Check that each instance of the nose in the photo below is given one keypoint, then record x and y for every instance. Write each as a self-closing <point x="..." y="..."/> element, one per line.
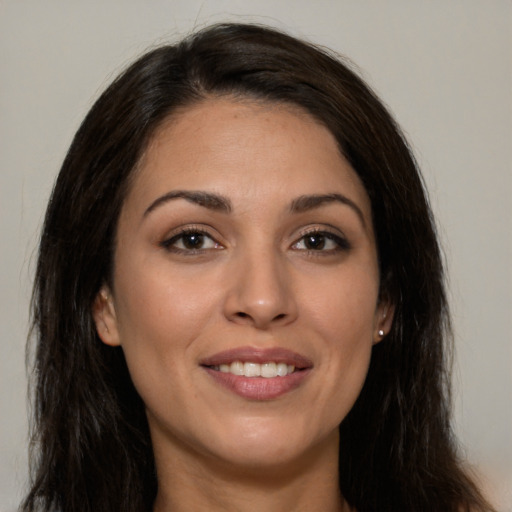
<point x="260" y="291"/>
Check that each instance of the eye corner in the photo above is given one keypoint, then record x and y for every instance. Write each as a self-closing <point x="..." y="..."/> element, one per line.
<point x="190" y="241"/>
<point x="321" y="241"/>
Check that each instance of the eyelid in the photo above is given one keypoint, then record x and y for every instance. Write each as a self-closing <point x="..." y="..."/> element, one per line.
<point x="321" y="228"/>
<point x="170" y="238"/>
<point x="330" y="232"/>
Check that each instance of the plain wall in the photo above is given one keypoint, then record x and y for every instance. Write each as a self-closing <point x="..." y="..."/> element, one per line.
<point x="444" y="67"/>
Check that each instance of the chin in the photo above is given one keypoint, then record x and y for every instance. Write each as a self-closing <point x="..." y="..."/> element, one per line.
<point x="265" y="445"/>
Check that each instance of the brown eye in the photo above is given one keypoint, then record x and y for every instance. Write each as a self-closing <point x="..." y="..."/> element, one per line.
<point x="190" y="241"/>
<point x="314" y="242"/>
<point x="321" y="241"/>
<point x="193" y="240"/>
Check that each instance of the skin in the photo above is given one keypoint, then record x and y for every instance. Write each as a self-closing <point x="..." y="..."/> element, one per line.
<point x="257" y="280"/>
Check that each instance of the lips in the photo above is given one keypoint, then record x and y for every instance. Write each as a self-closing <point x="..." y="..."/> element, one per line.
<point x="258" y="374"/>
<point x="253" y="355"/>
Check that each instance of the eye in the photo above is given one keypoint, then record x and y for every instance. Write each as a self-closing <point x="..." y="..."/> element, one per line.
<point x="190" y="241"/>
<point x="321" y="241"/>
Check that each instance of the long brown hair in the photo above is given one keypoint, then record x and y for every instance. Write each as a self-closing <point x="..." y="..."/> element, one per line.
<point x="92" y="450"/>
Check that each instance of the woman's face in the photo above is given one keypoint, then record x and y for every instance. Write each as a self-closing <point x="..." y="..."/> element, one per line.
<point x="245" y="246"/>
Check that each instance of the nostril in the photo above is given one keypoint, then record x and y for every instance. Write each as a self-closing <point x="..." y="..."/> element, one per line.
<point x="279" y="317"/>
<point x="241" y="314"/>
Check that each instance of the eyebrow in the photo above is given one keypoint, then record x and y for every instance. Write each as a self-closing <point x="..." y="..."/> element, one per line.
<point x="206" y="199"/>
<point x="222" y="204"/>
<point x="310" y="202"/>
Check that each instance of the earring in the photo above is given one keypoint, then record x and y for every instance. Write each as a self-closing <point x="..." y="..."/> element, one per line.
<point x="381" y="333"/>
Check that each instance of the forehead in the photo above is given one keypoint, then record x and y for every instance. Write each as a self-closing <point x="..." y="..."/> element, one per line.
<point x="242" y="148"/>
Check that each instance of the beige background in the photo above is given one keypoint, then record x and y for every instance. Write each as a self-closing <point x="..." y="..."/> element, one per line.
<point x="443" y="66"/>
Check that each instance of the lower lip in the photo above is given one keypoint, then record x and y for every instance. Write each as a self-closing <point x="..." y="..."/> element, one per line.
<point x="259" y="388"/>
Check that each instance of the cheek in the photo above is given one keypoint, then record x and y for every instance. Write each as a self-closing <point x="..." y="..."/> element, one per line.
<point x="343" y="307"/>
<point x="159" y="316"/>
<point x="162" y="301"/>
<point x="344" y="315"/>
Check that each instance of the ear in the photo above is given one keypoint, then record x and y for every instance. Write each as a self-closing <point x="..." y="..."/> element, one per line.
<point x="383" y="320"/>
<point x="104" y="314"/>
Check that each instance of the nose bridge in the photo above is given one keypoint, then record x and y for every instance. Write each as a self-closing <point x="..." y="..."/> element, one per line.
<point x="260" y="291"/>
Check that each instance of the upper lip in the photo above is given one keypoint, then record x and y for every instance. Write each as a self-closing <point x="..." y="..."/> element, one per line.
<point x="258" y="355"/>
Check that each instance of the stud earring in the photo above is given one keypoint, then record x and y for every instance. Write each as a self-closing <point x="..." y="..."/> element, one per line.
<point x="381" y="333"/>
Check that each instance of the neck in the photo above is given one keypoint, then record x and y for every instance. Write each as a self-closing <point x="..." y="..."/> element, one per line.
<point x="308" y="483"/>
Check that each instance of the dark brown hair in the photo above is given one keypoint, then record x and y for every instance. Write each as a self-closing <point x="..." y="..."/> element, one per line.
<point x="92" y="450"/>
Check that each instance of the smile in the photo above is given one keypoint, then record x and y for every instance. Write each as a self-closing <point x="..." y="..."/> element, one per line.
<point x="267" y="370"/>
<point x="258" y="374"/>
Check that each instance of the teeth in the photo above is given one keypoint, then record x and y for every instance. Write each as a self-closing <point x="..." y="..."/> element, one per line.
<point x="237" y="368"/>
<point x="269" y="370"/>
<point x="248" y="369"/>
<point x="252" y="369"/>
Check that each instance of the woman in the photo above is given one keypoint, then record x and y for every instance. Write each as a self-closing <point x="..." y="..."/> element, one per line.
<point x="239" y="299"/>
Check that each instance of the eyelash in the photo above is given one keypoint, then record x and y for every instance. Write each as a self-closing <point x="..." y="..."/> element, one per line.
<point x="342" y="244"/>
<point x="169" y="244"/>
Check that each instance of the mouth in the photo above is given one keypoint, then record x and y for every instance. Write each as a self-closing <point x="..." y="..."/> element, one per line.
<point x="267" y="370"/>
<point x="258" y="374"/>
